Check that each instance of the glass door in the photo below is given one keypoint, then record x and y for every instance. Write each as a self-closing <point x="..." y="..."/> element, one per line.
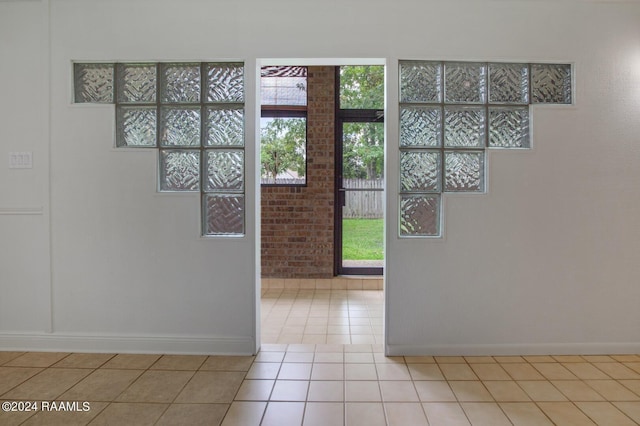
<point x="359" y="234"/>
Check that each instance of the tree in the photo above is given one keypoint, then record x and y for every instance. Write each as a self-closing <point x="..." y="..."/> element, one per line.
<point x="362" y="87"/>
<point x="283" y="147"/>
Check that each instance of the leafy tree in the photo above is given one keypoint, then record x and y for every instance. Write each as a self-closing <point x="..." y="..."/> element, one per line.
<point x="283" y="147"/>
<point x="362" y="87"/>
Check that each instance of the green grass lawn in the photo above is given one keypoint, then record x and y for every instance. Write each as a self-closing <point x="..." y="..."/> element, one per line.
<point x="362" y="239"/>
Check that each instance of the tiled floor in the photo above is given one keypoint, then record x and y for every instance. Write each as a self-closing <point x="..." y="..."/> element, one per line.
<point x="314" y="379"/>
<point x="321" y="316"/>
<point x="324" y="385"/>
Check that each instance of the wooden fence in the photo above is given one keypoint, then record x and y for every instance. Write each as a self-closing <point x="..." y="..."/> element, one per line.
<point x="362" y="203"/>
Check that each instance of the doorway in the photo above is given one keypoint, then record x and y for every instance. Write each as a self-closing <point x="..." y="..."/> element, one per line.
<point x="359" y="165"/>
<point x="304" y="300"/>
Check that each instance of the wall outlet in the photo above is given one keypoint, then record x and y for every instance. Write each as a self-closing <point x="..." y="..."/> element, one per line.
<point x="21" y="160"/>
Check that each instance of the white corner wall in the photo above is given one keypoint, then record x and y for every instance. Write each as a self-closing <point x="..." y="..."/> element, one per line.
<point x="95" y="259"/>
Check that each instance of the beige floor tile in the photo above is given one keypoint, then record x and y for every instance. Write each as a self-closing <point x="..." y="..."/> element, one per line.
<point x="585" y="371"/>
<point x="633" y="385"/>
<point x="485" y="414"/>
<point x="626" y="358"/>
<point x="480" y="360"/>
<point x="450" y="360"/>
<point x="490" y="372"/>
<point x="470" y="391"/>
<point x="576" y="390"/>
<point x="568" y="358"/>
<point x="295" y="371"/>
<point x="82" y="360"/>
<point x="539" y="358"/>
<point x="120" y="413"/>
<point x="102" y="385"/>
<point x="338" y="339"/>
<point x="263" y="370"/>
<point x="243" y="413"/>
<point x="525" y="414"/>
<point x="358" y="348"/>
<point x="48" y="384"/>
<point x="80" y="417"/>
<point x="131" y="361"/>
<point x="156" y="386"/>
<point x="434" y="391"/>
<point x="419" y="359"/>
<point x="283" y="414"/>
<point x="270" y="347"/>
<point x="631" y="409"/>
<point x="457" y="372"/>
<point x="11" y="377"/>
<point x="364" y="414"/>
<point x="617" y="371"/>
<point x="358" y="358"/>
<point x="179" y="362"/>
<point x="445" y="414"/>
<point x="227" y="363"/>
<point x="15" y="418"/>
<point x="362" y="391"/>
<point x="255" y="390"/>
<point x="393" y="372"/>
<point x="554" y="371"/>
<point x="405" y="414"/>
<point x="193" y="415"/>
<point x="509" y="359"/>
<point x="362" y="338"/>
<point x="207" y="387"/>
<point x="326" y="390"/>
<point x="329" y="357"/>
<point x="598" y="358"/>
<point x="522" y="371"/>
<point x="541" y="390"/>
<point x="36" y="359"/>
<point x="564" y="413"/>
<point x="299" y="356"/>
<point x="612" y="390"/>
<point x="290" y="390"/>
<point x="323" y="414"/>
<point x="269" y="356"/>
<point x="506" y="391"/>
<point x="425" y="372"/>
<point x="398" y="391"/>
<point x="327" y="372"/>
<point x="8" y="356"/>
<point x="605" y="414"/>
<point x="360" y="372"/>
<point x="635" y="366"/>
<point x="329" y="349"/>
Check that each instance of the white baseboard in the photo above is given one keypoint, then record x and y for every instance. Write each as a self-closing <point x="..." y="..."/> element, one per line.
<point x="196" y="345"/>
<point x="515" y="349"/>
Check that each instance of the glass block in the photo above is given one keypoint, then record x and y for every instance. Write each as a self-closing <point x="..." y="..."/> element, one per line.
<point x="179" y="170"/>
<point x="465" y="82"/>
<point x="136" y="126"/>
<point x="419" y="215"/>
<point x="509" y="83"/>
<point x="136" y="83"/>
<point x="224" y="126"/>
<point x="93" y="83"/>
<point x="180" y="126"/>
<point x="421" y="126"/>
<point x="551" y="83"/>
<point x="225" y="170"/>
<point x="464" y="171"/>
<point x="464" y="126"/>
<point x="509" y="127"/>
<point x="223" y="214"/>
<point x="225" y="83"/>
<point x="420" y="82"/>
<point x="420" y="171"/>
<point x="180" y="83"/>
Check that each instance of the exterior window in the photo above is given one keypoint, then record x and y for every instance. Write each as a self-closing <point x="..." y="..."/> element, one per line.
<point x="451" y="113"/>
<point x="193" y="114"/>
<point x="283" y="125"/>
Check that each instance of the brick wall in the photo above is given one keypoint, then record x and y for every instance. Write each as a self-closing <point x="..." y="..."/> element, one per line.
<point x="297" y="222"/>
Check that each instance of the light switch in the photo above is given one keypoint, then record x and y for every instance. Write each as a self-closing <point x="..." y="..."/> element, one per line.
<point x="21" y="160"/>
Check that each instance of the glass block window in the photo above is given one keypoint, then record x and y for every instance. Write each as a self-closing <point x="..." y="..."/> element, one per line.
<point x="451" y="113"/>
<point x="193" y="114"/>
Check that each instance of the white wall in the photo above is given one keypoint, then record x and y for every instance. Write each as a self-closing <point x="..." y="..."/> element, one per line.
<point x="544" y="262"/>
